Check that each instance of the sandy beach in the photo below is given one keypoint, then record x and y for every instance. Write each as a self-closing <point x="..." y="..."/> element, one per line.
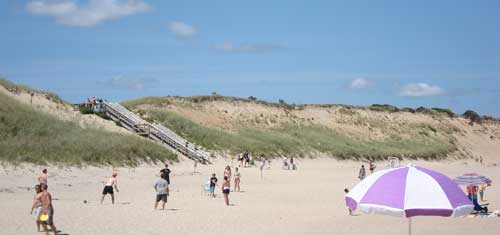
<point x="307" y="201"/>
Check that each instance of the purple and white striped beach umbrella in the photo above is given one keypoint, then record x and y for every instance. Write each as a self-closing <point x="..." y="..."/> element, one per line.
<point x="409" y="191"/>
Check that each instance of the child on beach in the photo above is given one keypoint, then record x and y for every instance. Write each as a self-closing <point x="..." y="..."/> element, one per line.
<point x="213" y="183"/>
<point x="161" y="187"/>
<point x="108" y="188"/>
<point x="226" y="188"/>
<point x="237" y="176"/>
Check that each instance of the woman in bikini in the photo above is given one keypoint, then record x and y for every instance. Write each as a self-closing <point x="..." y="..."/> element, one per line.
<point x="226" y="188"/>
<point x="227" y="172"/>
<point x="237" y="176"/>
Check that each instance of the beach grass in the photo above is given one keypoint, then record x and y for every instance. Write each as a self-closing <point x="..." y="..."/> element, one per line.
<point x="27" y="135"/>
<point x="12" y="86"/>
<point x="299" y="140"/>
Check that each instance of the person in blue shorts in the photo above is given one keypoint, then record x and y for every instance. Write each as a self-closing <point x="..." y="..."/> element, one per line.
<point x="213" y="183"/>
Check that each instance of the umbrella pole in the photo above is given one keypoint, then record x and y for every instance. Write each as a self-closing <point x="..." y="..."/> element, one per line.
<point x="409" y="226"/>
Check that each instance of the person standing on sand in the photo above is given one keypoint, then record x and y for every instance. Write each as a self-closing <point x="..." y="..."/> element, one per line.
<point x="43" y="178"/>
<point x="161" y="187"/>
<point x="48" y="208"/>
<point x="227" y="172"/>
<point x="362" y="173"/>
<point x="226" y="188"/>
<point x="237" y="176"/>
<point x="166" y="174"/>
<point x="482" y="188"/>
<point x="37" y="206"/>
<point x="213" y="183"/>
<point x="108" y="188"/>
<point x="372" y="166"/>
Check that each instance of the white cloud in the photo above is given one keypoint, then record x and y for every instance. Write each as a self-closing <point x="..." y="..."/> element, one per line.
<point x="182" y="30"/>
<point x="359" y="83"/>
<point x="69" y="12"/>
<point x="248" y="47"/>
<point x="420" y="89"/>
<point x="133" y="83"/>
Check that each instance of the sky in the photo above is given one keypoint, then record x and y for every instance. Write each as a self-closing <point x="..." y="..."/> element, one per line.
<point x="435" y="53"/>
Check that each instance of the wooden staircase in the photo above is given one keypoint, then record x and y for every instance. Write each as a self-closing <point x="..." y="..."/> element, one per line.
<point x="154" y="131"/>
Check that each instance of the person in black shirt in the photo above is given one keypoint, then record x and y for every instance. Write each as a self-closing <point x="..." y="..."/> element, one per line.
<point x="213" y="183"/>
<point x="166" y="175"/>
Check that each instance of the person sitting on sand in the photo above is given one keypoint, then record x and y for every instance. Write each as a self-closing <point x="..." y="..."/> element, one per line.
<point x="472" y="192"/>
<point x="226" y="188"/>
<point x="48" y="208"/>
<point x="161" y="187"/>
<point x="227" y="172"/>
<point x="108" y="188"/>
<point x="37" y="206"/>
<point x="213" y="183"/>
<point x="237" y="176"/>
<point x="346" y="191"/>
<point x="43" y="178"/>
<point x="362" y="173"/>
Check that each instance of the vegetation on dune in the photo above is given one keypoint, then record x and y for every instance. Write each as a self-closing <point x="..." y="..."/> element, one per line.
<point x="12" y="86"/>
<point x="298" y="140"/>
<point x="27" y="135"/>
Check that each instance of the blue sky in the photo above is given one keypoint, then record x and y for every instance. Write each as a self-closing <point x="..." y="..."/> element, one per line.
<point x="406" y="53"/>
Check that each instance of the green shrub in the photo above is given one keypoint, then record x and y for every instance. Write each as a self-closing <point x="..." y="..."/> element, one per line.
<point x="383" y="108"/>
<point x="472" y="116"/>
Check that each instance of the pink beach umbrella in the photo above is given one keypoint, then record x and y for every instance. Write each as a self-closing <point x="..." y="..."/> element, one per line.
<point x="407" y="192"/>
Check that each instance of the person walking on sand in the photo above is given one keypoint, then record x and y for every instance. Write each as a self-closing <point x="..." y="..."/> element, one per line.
<point x="213" y="183"/>
<point x="362" y="173"/>
<point x="227" y="172"/>
<point x="43" y="178"/>
<point x="48" y="208"/>
<point x="37" y="206"/>
<point x="226" y="188"/>
<point x="108" y="188"/>
<point x="161" y="187"/>
<point x="237" y="178"/>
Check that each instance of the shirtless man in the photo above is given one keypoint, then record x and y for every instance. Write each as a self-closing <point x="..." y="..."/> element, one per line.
<point x="43" y="178"/>
<point x="37" y="206"/>
<point x="47" y="208"/>
<point x="108" y="188"/>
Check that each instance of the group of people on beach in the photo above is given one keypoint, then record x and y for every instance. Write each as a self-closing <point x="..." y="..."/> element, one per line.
<point x="362" y="171"/>
<point x="226" y="183"/>
<point x="42" y="205"/>
<point x="162" y="187"/>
